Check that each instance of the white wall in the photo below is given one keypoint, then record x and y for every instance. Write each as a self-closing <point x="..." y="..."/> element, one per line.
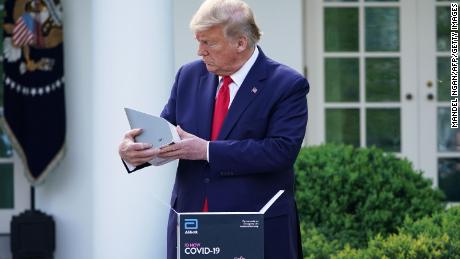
<point x="280" y="22"/>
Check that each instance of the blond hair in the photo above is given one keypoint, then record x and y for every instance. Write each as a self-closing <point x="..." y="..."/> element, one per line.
<point x="235" y="16"/>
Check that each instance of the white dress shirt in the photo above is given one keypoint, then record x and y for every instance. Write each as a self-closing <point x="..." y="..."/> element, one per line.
<point x="239" y="76"/>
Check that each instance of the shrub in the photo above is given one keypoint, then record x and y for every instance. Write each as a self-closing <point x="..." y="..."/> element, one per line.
<point x="430" y="237"/>
<point x="317" y="245"/>
<point x="352" y="194"/>
<point x="398" y="246"/>
<point x="439" y="225"/>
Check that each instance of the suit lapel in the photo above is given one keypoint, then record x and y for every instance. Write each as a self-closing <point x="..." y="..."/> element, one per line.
<point x="206" y="92"/>
<point x="249" y="90"/>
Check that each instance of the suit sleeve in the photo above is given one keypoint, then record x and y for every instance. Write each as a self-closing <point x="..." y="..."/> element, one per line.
<point x="281" y="145"/>
<point x="169" y="111"/>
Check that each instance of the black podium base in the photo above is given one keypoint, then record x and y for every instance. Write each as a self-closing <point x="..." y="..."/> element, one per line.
<point x="32" y="235"/>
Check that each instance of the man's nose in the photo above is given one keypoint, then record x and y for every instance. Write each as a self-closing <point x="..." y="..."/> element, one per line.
<point x="202" y="51"/>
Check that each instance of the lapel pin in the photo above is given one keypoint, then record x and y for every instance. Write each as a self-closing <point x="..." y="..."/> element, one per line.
<point x="254" y="90"/>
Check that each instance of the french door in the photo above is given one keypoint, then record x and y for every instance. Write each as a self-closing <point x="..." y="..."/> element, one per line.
<point x="380" y="75"/>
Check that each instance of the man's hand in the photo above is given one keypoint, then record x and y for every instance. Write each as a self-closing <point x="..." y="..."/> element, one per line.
<point x="136" y="153"/>
<point x="190" y="147"/>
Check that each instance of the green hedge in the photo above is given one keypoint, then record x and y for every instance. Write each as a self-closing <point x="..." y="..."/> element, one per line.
<point x="440" y="225"/>
<point x="348" y="195"/>
<point x="315" y="245"/>
<point x="401" y="246"/>
<point x="430" y="237"/>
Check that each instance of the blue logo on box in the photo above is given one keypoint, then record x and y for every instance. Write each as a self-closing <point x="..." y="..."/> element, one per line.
<point x="191" y="224"/>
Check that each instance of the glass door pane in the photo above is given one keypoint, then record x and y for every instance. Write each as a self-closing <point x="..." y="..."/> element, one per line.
<point x="6" y="186"/>
<point x="449" y="178"/>
<point x="341" y="29"/>
<point x="382" y="29"/>
<point x="342" y="126"/>
<point x="448" y="138"/>
<point x="342" y="79"/>
<point x="383" y="129"/>
<point x="443" y="28"/>
<point x="382" y="80"/>
<point x="443" y="78"/>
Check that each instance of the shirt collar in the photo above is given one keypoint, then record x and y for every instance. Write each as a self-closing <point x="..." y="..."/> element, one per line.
<point x="239" y="76"/>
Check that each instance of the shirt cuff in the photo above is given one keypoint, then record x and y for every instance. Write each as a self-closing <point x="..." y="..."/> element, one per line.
<point x="207" y="151"/>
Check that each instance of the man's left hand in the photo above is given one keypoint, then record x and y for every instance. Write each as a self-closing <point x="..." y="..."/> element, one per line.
<point x="190" y="147"/>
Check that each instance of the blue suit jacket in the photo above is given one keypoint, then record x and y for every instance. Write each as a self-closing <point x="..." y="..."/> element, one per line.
<point x="254" y="155"/>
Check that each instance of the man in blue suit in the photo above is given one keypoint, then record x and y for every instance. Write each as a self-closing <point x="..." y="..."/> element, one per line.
<point x="241" y="117"/>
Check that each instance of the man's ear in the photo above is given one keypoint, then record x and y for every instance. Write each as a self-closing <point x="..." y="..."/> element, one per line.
<point x="242" y="43"/>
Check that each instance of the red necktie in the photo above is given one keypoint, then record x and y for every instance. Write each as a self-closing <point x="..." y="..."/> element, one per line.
<point x="221" y="107"/>
<point x="220" y="111"/>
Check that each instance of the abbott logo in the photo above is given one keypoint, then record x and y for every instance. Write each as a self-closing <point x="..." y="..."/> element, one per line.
<point x="191" y="224"/>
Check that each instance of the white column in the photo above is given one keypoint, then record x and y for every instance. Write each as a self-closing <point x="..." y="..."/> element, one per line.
<point x="117" y="54"/>
<point x="133" y="67"/>
<point x="67" y="193"/>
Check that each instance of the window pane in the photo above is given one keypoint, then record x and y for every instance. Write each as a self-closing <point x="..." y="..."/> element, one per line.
<point x="443" y="79"/>
<point x="342" y="126"/>
<point x="449" y="178"/>
<point x="382" y="29"/>
<point x="341" y="29"/>
<point x="383" y="128"/>
<point x="443" y="27"/>
<point x="6" y="186"/>
<point x="448" y="138"/>
<point x="342" y="79"/>
<point x="6" y="149"/>
<point x="382" y="0"/>
<point x="382" y="79"/>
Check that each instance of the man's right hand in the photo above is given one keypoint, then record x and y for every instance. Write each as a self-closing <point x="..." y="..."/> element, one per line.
<point x="136" y="153"/>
